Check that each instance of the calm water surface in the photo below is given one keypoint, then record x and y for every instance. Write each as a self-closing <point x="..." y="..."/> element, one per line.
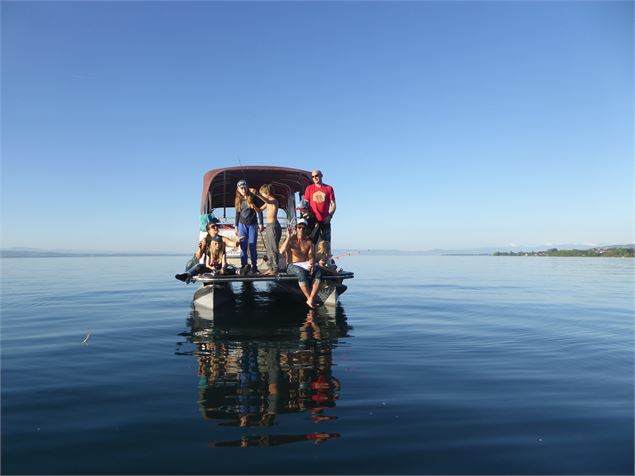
<point x="451" y="365"/>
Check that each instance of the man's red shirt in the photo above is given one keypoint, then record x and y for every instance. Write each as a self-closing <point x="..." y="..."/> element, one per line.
<point x="320" y="198"/>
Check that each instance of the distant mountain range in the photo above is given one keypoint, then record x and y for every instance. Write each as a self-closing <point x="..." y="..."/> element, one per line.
<point x="39" y="253"/>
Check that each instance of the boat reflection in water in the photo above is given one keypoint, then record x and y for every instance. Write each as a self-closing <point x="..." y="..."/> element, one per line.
<point x="257" y="366"/>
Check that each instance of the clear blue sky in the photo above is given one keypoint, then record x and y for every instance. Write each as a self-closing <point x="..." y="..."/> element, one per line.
<point x="462" y="124"/>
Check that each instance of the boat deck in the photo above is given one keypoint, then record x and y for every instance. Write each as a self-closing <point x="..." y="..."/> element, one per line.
<point x="209" y="278"/>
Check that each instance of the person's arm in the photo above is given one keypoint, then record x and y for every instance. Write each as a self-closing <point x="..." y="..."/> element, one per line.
<point x="208" y="260"/>
<point x="311" y="257"/>
<point x="256" y="193"/>
<point x="223" y="262"/>
<point x="199" y="249"/>
<point x="285" y="248"/>
<point x="315" y="230"/>
<point x="285" y="244"/>
<point x="332" y="205"/>
<point x="232" y="243"/>
<point x="265" y="200"/>
<point x="259" y="209"/>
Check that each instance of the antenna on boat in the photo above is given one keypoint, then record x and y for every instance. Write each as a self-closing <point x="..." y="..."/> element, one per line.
<point x="241" y="165"/>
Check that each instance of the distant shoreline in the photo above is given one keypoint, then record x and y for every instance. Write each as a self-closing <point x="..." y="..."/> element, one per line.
<point x="616" y="252"/>
<point x="28" y="254"/>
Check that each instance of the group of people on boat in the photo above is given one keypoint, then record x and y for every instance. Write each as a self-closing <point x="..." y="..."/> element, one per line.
<point x="306" y="248"/>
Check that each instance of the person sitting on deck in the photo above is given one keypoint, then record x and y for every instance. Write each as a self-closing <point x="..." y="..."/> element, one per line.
<point x="273" y="230"/>
<point x="216" y="258"/>
<point x="312" y="230"/>
<point x="248" y="222"/>
<point x="202" y="252"/>
<point x="299" y="252"/>
<point x="324" y="258"/>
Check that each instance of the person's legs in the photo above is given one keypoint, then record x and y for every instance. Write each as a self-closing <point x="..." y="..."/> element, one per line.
<point x="276" y="250"/>
<point x="243" y="231"/>
<point x="314" y="236"/>
<point x="191" y="272"/>
<point x="268" y="238"/>
<point x="272" y="239"/>
<point x="325" y="232"/>
<point x="198" y="269"/>
<point x="317" y="279"/>
<point x="303" y="278"/>
<point x="253" y="251"/>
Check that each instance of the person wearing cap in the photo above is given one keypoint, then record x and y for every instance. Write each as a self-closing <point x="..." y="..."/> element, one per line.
<point x="211" y="241"/>
<point x="312" y="229"/>
<point x="321" y="198"/>
<point x="248" y="222"/>
<point x="216" y="258"/>
<point x="299" y="251"/>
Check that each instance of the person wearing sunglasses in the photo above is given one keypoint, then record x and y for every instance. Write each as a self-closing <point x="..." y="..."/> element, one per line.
<point x="321" y="198"/>
<point x="299" y="252"/>
<point x="202" y="251"/>
<point x="248" y="222"/>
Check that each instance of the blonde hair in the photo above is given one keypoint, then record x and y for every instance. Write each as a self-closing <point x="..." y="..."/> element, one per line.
<point x="266" y="189"/>
<point x="216" y="252"/>
<point x="324" y="247"/>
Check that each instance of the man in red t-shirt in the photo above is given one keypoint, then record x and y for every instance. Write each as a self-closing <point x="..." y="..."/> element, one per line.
<point x="322" y="200"/>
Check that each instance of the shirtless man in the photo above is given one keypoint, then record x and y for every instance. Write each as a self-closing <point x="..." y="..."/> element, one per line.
<point x="273" y="230"/>
<point x="299" y="252"/>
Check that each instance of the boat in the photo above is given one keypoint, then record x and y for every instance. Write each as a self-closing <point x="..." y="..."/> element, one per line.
<point x="217" y="204"/>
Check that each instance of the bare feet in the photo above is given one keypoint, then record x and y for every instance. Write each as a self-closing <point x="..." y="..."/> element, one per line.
<point x="309" y="303"/>
<point x="269" y="272"/>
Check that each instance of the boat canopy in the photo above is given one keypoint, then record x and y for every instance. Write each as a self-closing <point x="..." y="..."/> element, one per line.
<point x="219" y="185"/>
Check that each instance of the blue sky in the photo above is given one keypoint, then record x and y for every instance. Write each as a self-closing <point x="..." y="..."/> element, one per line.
<point x="458" y="124"/>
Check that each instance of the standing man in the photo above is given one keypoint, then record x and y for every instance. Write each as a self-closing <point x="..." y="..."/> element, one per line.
<point x="321" y="197"/>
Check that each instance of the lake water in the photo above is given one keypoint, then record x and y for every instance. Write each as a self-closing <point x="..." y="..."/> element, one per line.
<point x="431" y="365"/>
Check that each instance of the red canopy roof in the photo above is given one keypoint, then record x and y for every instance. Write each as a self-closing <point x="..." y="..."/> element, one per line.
<point x="219" y="185"/>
